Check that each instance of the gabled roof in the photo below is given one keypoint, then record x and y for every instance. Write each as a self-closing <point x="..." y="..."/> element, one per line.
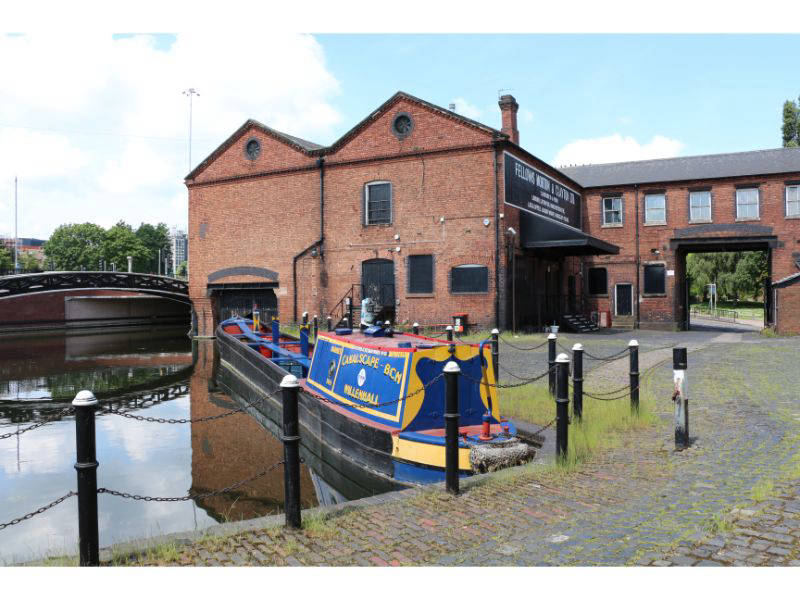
<point x="313" y="149"/>
<point x="686" y="168"/>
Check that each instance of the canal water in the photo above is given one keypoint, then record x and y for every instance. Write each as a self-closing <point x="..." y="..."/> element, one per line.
<point x="160" y="374"/>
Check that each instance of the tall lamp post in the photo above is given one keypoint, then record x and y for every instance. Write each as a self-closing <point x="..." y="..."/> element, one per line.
<point x="190" y="92"/>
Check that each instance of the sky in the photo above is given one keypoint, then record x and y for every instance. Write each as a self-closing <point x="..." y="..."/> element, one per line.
<point x="95" y="126"/>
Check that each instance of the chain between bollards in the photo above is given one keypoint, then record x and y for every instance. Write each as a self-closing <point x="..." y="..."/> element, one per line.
<point x="291" y="451"/>
<point x="633" y="349"/>
<point x="577" y="381"/>
<point x="86" y="466"/>
<point x="681" y="398"/>
<point x="451" y="416"/>
<point x="562" y="406"/>
<point x="551" y="362"/>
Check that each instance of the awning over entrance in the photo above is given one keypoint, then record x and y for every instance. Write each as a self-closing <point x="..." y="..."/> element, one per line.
<point x="580" y="244"/>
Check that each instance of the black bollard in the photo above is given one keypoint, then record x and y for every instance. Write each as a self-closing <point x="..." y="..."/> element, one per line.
<point x="452" y="372"/>
<point x="449" y="330"/>
<point x="633" y="350"/>
<point x="305" y="318"/>
<point x="330" y="323"/>
<point x="291" y="452"/>
<point x="88" y="537"/>
<point x="562" y="406"/>
<point x="316" y="327"/>
<point x="577" y="381"/>
<point x="415" y="329"/>
<point x="681" y="398"/>
<point x="551" y="362"/>
<point x="496" y="352"/>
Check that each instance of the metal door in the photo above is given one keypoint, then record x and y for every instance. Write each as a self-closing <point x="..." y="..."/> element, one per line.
<point x="377" y="282"/>
<point x="624" y="299"/>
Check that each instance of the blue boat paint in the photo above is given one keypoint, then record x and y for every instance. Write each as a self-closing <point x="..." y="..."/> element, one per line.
<point x="417" y="473"/>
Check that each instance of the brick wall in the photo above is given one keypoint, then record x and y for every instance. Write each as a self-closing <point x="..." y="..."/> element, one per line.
<point x="788" y="311"/>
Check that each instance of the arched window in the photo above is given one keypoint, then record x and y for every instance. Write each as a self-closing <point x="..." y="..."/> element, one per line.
<point x="378" y="203"/>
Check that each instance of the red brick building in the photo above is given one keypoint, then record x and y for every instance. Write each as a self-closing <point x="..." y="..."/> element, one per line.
<point x="433" y="214"/>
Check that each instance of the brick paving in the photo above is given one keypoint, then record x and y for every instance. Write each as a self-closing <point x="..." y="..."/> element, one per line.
<point x="733" y="498"/>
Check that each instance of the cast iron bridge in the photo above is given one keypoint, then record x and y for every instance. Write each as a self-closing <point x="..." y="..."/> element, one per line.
<point x="54" y="281"/>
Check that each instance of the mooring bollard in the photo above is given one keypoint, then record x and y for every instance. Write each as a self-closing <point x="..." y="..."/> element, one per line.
<point x="86" y="465"/>
<point x="305" y="317"/>
<point x="345" y="322"/>
<point x="304" y="348"/>
<point x="681" y="398"/>
<point x="330" y="323"/>
<point x="633" y="355"/>
<point x="291" y="451"/>
<point x="551" y="362"/>
<point x="451" y="373"/>
<point x="276" y="331"/>
<point x="577" y="381"/>
<point x="562" y="406"/>
<point x="316" y="327"/>
<point x="449" y="330"/>
<point x="415" y="329"/>
<point x="496" y="352"/>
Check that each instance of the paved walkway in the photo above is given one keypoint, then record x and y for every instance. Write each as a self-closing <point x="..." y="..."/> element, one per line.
<point x="732" y="498"/>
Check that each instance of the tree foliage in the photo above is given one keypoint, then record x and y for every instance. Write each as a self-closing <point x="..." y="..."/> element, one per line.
<point x="29" y="262"/>
<point x="183" y="270"/>
<point x="76" y="246"/>
<point x="738" y="275"/>
<point x="120" y="243"/>
<point x="791" y="124"/>
<point x="6" y="260"/>
<point x="154" y="237"/>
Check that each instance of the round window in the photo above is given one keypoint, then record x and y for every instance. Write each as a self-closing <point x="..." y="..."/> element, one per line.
<point x="252" y="149"/>
<point x="402" y="125"/>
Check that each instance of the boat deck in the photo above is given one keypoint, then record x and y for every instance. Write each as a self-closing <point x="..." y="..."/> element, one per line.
<point x="399" y="341"/>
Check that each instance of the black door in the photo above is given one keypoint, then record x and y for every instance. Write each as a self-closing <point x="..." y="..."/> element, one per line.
<point x="624" y="299"/>
<point x="377" y="282"/>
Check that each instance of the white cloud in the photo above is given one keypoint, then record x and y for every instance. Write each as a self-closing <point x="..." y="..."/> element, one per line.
<point x="616" y="148"/>
<point x="468" y="110"/>
<point x="97" y="128"/>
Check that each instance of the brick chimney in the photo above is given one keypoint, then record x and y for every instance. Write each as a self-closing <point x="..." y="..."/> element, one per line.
<point x="509" y="108"/>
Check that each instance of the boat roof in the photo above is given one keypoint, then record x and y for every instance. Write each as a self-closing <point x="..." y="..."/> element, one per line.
<point x="359" y="338"/>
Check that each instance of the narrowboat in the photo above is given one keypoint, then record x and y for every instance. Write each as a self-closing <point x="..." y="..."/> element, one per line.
<point x="375" y="397"/>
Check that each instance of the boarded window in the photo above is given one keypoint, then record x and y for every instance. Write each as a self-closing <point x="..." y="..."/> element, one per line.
<point x="420" y="274"/>
<point x="598" y="281"/>
<point x="378" y="198"/>
<point x="466" y="279"/>
<point x="655" y="279"/>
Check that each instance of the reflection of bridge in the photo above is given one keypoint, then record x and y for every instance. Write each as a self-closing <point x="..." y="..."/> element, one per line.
<point x="53" y="281"/>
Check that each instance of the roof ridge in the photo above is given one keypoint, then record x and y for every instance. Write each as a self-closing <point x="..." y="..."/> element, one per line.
<point x="629" y="162"/>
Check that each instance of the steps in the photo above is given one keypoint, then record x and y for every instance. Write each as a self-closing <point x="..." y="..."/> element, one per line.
<point x="578" y="323"/>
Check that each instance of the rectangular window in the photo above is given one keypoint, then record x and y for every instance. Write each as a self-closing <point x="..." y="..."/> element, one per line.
<point x="612" y="211"/>
<point x="655" y="279"/>
<point x="747" y="203"/>
<point x="700" y="206"/>
<point x="793" y="201"/>
<point x="469" y="279"/>
<point x="598" y="281"/>
<point x="378" y="199"/>
<point x="655" y="208"/>
<point x="420" y="274"/>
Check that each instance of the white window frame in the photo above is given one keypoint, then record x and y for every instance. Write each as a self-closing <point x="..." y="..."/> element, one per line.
<point x="616" y="296"/>
<point x="366" y="202"/>
<point x="796" y="188"/>
<point x="758" y="204"/>
<point x="653" y="195"/>
<point x="708" y="219"/>
<point x="621" y="212"/>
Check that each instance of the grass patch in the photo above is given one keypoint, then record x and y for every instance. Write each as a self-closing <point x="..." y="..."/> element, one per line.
<point x="762" y="490"/>
<point x="720" y="524"/>
<point x="319" y="526"/>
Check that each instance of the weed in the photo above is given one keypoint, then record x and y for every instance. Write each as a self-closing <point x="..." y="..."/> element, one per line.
<point x="761" y="490"/>
<point x="319" y="526"/>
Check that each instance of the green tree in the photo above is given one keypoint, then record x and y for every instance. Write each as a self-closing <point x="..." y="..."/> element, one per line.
<point x="791" y="124"/>
<point x="738" y="275"/>
<point x="154" y="237"/>
<point x="73" y="246"/>
<point x="29" y="262"/>
<point x="119" y="243"/>
<point x="182" y="270"/>
<point x="6" y="260"/>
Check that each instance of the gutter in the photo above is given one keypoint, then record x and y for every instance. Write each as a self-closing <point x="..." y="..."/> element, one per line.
<point x="316" y="244"/>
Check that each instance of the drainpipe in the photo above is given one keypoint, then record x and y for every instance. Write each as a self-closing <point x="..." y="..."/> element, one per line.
<point x="496" y="243"/>
<point x="319" y="242"/>
<point x="638" y="260"/>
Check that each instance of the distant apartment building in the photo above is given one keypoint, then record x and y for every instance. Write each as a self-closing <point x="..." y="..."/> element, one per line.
<point x="180" y="247"/>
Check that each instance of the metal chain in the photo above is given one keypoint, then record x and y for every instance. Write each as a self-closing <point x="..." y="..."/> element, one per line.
<point x="502" y="368"/>
<point x="62" y="414"/>
<point x="626" y="395"/>
<point x="127" y="414"/>
<point x="538" y="431"/>
<point x="224" y="490"/>
<point x="506" y="385"/>
<point x="38" y="511"/>
<point x="519" y="347"/>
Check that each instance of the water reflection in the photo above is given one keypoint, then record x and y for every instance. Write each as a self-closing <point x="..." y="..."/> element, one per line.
<point x="152" y="374"/>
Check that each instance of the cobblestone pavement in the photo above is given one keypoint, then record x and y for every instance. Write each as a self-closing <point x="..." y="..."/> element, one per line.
<point x="732" y="498"/>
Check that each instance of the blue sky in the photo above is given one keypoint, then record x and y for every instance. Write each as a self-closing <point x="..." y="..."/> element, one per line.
<point x="96" y="127"/>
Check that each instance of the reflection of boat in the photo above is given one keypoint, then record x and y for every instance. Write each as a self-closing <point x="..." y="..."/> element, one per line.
<point x="376" y="398"/>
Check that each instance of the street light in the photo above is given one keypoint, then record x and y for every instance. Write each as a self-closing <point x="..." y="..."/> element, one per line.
<point x="190" y="92"/>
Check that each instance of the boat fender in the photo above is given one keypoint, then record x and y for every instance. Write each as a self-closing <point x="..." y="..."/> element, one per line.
<point x="343" y="331"/>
